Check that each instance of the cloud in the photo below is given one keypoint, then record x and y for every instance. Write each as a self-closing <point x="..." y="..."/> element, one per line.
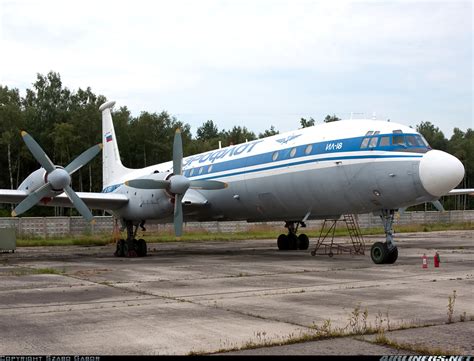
<point x="193" y="54"/>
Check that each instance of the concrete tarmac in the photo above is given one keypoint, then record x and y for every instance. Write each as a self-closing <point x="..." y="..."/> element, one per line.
<point x="209" y="297"/>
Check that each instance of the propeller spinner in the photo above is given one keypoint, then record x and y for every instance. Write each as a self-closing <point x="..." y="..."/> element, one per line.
<point x="58" y="179"/>
<point x="177" y="184"/>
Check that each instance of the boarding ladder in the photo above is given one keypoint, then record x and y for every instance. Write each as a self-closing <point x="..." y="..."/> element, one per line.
<point x="328" y="230"/>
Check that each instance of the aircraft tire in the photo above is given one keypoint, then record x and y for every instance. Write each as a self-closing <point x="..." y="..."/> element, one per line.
<point x="303" y="242"/>
<point x="119" y="252"/>
<point x="283" y="242"/>
<point x="392" y="256"/>
<point x="141" y="248"/>
<point x="379" y="252"/>
<point x="293" y="241"/>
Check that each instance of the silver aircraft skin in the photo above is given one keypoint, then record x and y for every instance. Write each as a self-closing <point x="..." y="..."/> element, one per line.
<point x="344" y="167"/>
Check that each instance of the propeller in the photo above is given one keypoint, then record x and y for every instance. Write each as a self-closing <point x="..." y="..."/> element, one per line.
<point x="177" y="184"/>
<point x="57" y="178"/>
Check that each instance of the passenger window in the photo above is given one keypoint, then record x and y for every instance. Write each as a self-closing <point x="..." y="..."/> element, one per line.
<point x="275" y="156"/>
<point x="411" y="141"/>
<point x="200" y="170"/>
<point x="384" y="141"/>
<point x="365" y="143"/>
<point x="209" y="169"/>
<point x="293" y="152"/>
<point x="398" y="140"/>
<point x="191" y="172"/>
<point x="308" y="149"/>
<point x="373" y="142"/>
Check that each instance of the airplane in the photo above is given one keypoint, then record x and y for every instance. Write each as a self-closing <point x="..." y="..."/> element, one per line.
<point x="319" y="172"/>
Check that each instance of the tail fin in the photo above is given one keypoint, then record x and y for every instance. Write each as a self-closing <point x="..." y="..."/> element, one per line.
<point x="112" y="167"/>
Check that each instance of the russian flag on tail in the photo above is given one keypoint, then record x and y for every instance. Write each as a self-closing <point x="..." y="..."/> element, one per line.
<point x="108" y="137"/>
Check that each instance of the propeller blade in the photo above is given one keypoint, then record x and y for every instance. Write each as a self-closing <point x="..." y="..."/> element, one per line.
<point x="148" y="183"/>
<point x="32" y="199"/>
<point x="38" y="152"/>
<point x="79" y="204"/>
<point x="438" y="205"/>
<point x="178" y="215"/>
<point x="207" y="184"/>
<point x="84" y="158"/>
<point x="177" y="153"/>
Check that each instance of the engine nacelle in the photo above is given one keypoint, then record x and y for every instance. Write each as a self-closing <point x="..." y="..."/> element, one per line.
<point x="34" y="181"/>
<point x="147" y="203"/>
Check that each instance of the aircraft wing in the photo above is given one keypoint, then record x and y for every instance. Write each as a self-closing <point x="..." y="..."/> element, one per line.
<point x="456" y="192"/>
<point x="106" y="201"/>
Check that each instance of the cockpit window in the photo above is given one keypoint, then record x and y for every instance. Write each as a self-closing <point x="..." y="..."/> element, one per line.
<point x="373" y="142"/>
<point x="384" y="141"/>
<point x="370" y="132"/>
<point x="425" y="142"/>
<point x="398" y="131"/>
<point x="365" y="143"/>
<point x="411" y="140"/>
<point x="398" y="140"/>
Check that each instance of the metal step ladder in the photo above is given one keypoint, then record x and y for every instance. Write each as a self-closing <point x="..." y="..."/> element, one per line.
<point x="328" y="230"/>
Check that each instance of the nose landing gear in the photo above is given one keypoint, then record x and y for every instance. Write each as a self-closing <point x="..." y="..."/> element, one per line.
<point x="387" y="252"/>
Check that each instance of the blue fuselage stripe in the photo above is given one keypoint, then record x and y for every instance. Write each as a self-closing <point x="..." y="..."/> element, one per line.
<point x="330" y="147"/>
<point x="286" y="165"/>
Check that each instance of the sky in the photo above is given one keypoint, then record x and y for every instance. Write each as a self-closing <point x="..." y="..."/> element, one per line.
<point x="252" y="63"/>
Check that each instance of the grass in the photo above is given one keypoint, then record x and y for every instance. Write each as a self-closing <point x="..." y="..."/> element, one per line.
<point x="383" y="340"/>
<point x="357" y="325"/>
<point x="258" y="232"/>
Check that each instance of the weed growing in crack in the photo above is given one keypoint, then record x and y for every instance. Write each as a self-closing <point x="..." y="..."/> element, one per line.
<point x="451" y="301"/>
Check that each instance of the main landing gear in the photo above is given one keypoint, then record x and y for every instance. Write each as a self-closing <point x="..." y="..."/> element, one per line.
<point x="291" y="241"/>
<point x="131" y="247"/>
<point x="386" y="252"/>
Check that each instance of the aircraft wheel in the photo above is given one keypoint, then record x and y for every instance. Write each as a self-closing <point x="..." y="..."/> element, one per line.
<point x="293" y="239"/>
<point x="303" y="241"/>
<point x="119" y="251"/>
<point x="379" y="252"/>
<point x="392" y="256"/>
<point x="283" y="242"/>
<point x="141" y="248"/>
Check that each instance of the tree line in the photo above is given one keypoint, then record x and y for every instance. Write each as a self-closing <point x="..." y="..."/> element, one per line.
<point x="66" y="122"/>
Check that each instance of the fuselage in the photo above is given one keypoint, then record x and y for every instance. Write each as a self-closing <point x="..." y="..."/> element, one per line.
<point x="349" y="166"/>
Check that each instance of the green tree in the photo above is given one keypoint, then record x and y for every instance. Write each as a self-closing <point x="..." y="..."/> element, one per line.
<point x="11" y="119"/>
<point x="237" y="135"/>
<point x="306" y="123"/>
<point x="433" y="135"/>
<point x="207" y="131"/>
<point x="269" y="132"/>
<point x="331" y="118"/>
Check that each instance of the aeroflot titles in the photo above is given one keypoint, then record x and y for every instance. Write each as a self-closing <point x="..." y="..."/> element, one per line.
<point x="222" y="153"/>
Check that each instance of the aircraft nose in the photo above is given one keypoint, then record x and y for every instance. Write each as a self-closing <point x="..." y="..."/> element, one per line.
<point x="440" y="172"/>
